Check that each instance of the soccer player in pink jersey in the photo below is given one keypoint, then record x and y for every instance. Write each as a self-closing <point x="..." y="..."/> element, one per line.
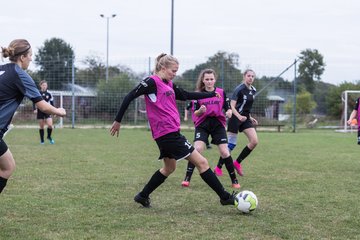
<point x="209" y="119"/>
<point x="164" y="119"/>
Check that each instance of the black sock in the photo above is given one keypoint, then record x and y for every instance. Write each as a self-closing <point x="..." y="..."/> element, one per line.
<point x="49" y="131"/>
<point x="244" y="153"/>
<point x="220" y="162"/>
<point x="209" y="177"/>
<point x="41" y="131"/>
<point x="189" y="171"/>
<point x="359" y="136"/>
<point x="155" y="181"/>
<point x="230" y="168"/>
<point x="3" y="182"/>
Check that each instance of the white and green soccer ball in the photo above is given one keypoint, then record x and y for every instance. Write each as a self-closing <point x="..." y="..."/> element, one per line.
<point x="246" y="201"/>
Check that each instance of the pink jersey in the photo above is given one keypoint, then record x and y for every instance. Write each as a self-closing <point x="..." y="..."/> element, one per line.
<point x="214" y="108"/>
<point x="358" y="114"/>
<point x="161" y="109"/>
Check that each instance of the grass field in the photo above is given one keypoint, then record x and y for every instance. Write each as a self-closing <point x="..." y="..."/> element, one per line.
<point x="82" y="187"/>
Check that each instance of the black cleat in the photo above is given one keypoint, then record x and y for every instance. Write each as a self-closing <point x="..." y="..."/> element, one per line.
<point x="143" y="201"/>
<point x="230" y="201"/>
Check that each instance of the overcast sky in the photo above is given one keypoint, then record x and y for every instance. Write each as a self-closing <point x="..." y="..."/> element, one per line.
<point x="268" y="35"/>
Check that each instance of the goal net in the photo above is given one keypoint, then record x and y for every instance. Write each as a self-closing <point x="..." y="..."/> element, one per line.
<point x="348" y="98"/>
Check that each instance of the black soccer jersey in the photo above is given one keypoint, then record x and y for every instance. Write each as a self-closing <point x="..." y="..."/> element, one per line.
<point x="46" y="95"/>
<point x="244" y="98"/>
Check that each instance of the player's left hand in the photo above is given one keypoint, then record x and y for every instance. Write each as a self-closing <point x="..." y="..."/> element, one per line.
<point x="254" y="121"/>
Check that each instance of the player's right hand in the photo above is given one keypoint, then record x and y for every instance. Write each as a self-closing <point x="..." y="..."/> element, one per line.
<point x="202" y="109"/>
<point x="115" y="128"/>
<point x="61" y="112"/>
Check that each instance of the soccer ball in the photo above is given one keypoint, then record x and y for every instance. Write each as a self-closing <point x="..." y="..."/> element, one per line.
<point x="246" y="201"/>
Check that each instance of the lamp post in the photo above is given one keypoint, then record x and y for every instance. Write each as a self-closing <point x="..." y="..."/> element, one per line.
<point x="172" y="29"/>
<point x="107" y="43"/>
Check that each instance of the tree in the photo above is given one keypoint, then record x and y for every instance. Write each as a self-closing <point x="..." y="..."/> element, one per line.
<point x="333" y="99"/>
<point x="321" y="91"/>
<point x="94" y="71"/>
<point x="311" y="68"/>
<point x="55" y="60"/>
<point x="110" y="94"/>
<point x="304" y="104"/>
<point x="224" y="65"/>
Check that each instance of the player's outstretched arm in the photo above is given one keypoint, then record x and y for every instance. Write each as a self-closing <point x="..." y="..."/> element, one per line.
<point x="47" y="108"/>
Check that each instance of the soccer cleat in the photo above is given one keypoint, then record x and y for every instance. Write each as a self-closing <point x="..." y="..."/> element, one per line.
<point x="185" y="183"/>
<point x="218" y="171"/>
<point x="143" y="201"/>
<point x="238" y="168"/>
<point x="51" y="140"/>
<point x="42" y="143"/>
<point x="235" y="184"/>
<point x="230" y="201"/>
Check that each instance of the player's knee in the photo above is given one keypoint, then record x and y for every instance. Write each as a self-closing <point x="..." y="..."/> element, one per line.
<point x="168" y="170"/>
<point x="7" y="171"/>
<point x="224" y="153"/>
<point x="232" y="140"/>
<point x="199" y="148"/>
<point x="201" y="164"/>
<point x="253" y="143"/>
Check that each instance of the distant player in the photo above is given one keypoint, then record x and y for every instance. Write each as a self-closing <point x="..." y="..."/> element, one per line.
<point x="241" y="120"/>
<point x="42" y="117"/>
<point x="15" y="83"/>
<point x="355" y="115"/>
<point x="210" y="120"/>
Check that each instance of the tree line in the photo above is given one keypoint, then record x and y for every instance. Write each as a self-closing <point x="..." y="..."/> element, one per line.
<point x="55" y="61"/>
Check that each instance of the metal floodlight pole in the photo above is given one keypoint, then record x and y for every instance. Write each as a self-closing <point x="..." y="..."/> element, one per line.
<point x="172" y="29"/>
<point x="107" y="43"/>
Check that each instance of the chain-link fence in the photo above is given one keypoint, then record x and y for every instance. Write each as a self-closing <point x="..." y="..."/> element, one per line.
<point x="81" y="88"/>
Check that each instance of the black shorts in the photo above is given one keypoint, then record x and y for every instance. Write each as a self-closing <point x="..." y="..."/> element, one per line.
<point x="235" y="126"/>
<point x="3" y="147"/>
<point x="213" y="127"/>
<point x="42" y="115"/>
<point x="174" y="145"/>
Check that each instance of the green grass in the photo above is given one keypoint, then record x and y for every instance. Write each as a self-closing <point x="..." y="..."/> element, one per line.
<point x="82" y="187"/>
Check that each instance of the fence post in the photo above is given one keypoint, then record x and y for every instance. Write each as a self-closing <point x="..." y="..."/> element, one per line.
<point x="222" y="73"/>
<point x="72" y="91"/>
<point x="61" y="124"/>
<point x="136" y="111"/>
<point x="294" y="107"/>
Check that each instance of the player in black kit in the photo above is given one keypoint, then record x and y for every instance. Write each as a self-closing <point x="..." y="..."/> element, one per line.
<point x="44" y="117"/>
<point x="241" y="120"/>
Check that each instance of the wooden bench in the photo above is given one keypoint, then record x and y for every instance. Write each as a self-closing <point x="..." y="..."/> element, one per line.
<point x="276" y="125"/>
